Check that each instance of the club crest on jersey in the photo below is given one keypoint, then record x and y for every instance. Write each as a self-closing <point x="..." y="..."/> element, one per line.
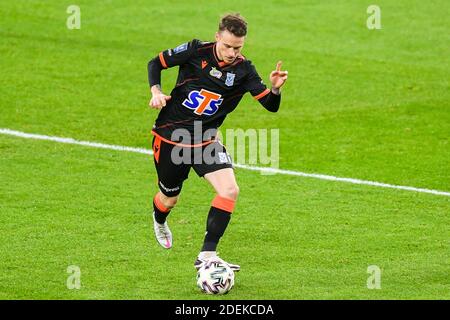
<point x="230" y="79"/>
<point x="215" y="73"/>
<point x="203" y="102"/>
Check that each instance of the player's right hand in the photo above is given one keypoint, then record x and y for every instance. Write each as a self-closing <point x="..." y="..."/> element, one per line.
<point x="159" y="100"/>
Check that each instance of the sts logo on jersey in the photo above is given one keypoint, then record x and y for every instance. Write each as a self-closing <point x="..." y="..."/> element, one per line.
<point x="203" y="102"/>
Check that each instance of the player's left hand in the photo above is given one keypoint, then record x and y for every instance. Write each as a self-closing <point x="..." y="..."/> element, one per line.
<point x="278" y="77"/>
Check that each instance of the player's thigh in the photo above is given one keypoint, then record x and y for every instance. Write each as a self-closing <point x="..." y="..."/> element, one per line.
<point x="171" y="174"/>
<point x="224" y="182"/>
<point x="217" y="169"/>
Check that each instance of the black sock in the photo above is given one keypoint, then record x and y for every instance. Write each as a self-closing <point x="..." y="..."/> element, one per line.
<point x="160" y="216"/>
<point x="215" y="227"/>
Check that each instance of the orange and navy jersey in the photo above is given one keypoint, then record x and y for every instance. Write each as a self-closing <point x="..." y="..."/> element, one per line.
<point x="206" y="90"/>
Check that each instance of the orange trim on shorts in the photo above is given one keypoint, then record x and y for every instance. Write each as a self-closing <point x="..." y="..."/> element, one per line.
<point x="182" y="144"/>
<point x="156" y="148"/>
<point x="161" y="207"/>
<point x="163" y="61"/>
<point x="223" y="203"/>
<point x="262" y="94"/>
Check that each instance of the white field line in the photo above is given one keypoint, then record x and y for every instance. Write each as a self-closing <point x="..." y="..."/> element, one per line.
<point x="73" y="141"/>
<point x="10" y="132"/>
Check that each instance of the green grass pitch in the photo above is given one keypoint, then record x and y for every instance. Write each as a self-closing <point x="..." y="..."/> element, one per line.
<point x="359" y="103"/>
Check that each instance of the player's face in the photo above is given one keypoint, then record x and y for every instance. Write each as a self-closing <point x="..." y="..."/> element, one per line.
<point x="228" y="46"/>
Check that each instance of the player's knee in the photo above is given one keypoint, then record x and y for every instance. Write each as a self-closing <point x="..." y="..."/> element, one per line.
<point x="169" y="202"/>
<point x="230" y="192"/>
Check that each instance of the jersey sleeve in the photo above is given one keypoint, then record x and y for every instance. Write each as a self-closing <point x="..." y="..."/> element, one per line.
<point x="254" y="84"/>
<point x="178" y="55"/>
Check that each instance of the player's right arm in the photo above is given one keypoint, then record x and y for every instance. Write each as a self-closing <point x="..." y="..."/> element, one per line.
<point x="158" y="99"/>
<point x="167" y="59"/>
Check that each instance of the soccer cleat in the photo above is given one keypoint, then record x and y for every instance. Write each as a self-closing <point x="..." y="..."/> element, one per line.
<point x="200" y="262"/>
<point x="162" y="233"/>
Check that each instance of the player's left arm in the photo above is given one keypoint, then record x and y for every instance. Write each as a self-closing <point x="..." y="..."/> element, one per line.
<point x="278" y="78"/>
<point x="269" y="98"/>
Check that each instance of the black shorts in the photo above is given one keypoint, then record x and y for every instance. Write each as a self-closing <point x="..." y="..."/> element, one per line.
<point x="174" y="162"/>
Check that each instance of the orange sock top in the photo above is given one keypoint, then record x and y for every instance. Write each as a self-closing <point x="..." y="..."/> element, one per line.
<point x="222" y="203"/>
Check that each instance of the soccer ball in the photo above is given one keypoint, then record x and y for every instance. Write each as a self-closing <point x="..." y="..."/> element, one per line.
<point x="215" y="277"/>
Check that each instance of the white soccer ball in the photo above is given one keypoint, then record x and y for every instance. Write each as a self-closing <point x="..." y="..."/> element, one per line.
<point x="215" y="277"/>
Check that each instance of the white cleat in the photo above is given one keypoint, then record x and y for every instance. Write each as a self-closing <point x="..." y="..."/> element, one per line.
<point x="200" y="262"/>
<point x="162" y="233"/>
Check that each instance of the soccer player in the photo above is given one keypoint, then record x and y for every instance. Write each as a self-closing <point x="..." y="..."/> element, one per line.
<point x="212" y="78"/>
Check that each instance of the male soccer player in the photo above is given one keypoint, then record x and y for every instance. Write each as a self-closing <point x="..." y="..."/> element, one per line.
<point x="212" y="78"/>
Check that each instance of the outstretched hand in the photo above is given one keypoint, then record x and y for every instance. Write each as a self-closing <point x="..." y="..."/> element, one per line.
<point x="278" y="77"/>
